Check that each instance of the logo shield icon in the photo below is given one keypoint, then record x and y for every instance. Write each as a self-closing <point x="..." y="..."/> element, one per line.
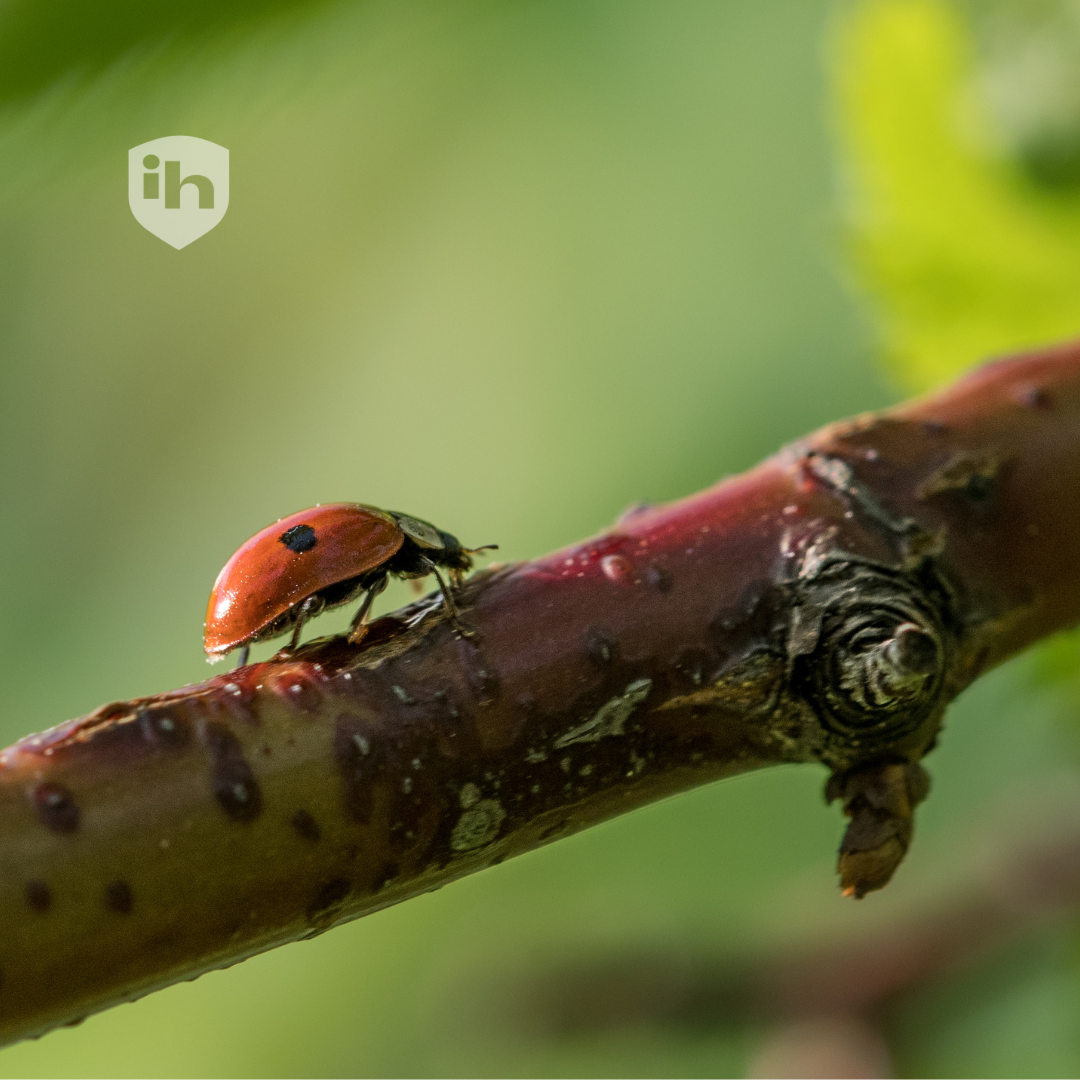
<point x="178" y="187"/>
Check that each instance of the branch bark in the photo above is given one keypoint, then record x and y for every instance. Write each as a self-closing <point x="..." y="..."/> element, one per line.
<point x="825" y="606"/>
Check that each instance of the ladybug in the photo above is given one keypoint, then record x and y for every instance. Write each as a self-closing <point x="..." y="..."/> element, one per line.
<point x="319" y="559"/>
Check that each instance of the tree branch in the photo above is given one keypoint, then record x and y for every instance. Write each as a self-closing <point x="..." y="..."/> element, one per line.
<point x="825" y="606"/>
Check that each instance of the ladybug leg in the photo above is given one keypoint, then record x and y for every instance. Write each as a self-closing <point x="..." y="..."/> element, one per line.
<point x="448" y="596"/>
<point x="358" y="626"/>
<point x="451" y="605"/>
<point x="243" y="658"/>
<point x="306" y="608"/>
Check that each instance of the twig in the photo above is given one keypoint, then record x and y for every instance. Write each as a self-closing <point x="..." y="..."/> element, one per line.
<point x="825" y="607"/>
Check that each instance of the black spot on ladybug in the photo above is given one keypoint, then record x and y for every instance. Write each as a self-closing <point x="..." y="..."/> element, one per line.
<point x="38" y="895"/>
<point x="306" y="826"/>
<point x="299" y="538"/>
<point x="601" y="646"/>
<point x="56" y="807"/>
<point x="118" y="897"/>
<point x="330" y="895"/>
<point x="231" y="779"/>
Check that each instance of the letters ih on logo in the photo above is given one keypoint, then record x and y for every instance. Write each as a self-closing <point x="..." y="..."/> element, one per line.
<point x="178" y="187"/>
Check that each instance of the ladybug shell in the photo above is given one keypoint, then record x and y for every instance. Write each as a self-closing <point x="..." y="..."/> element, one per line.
<point x="290" y="560"/>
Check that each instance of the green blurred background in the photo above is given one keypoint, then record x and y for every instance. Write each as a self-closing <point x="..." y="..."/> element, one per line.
<point x="510" y="266"/>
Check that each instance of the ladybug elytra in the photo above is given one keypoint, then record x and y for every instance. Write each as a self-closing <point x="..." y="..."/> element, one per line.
<point x="319" y="559"/>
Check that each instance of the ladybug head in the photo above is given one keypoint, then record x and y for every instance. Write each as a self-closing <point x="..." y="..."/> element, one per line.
<point x="455" y="557"/>
<point x="442" y="548"/>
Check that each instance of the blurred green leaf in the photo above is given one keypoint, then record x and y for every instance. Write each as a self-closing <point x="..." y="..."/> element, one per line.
<point x="965" y="257"/>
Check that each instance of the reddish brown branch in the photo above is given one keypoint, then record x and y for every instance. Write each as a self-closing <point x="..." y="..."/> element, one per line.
<point x="825" y="606"/>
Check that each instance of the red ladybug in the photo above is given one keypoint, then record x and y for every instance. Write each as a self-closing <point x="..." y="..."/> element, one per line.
<point x="322" y="558"/>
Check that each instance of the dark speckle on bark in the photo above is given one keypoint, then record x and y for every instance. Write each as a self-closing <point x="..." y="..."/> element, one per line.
<point x="231" y="779"/>
<point x="38" y="895"/>
<point x="118" y="897"/>
<point x="601" y="645"/>
<point x="56" y="807"/>
<point x="330" y="895"/>
<point x="306" y="826"/>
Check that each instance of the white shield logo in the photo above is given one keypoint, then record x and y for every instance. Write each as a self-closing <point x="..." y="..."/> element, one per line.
<point x="178" y="187"/>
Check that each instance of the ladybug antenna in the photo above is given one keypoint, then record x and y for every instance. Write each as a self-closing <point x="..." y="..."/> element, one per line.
<point x="477" y="550"/>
